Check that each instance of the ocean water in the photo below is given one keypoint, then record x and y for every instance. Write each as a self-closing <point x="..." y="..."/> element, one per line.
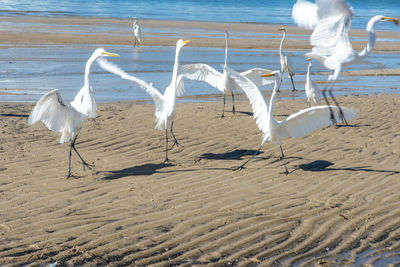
<point x="27" y="73"/>
<point x="260" y="11"/>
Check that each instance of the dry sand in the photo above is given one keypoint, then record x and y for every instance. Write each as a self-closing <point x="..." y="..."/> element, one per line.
<point x="340" y="198"/>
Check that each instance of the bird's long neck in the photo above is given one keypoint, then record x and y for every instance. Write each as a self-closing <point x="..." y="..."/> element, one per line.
<point x="226" y="50"/>
<point x="308" y="71"/>
<point x="281" y="46"/>
<point x="271" y="101"/>
<point x="371" y="38"/>
<point x="176" y="66"/>
<point x="87" y="70"/>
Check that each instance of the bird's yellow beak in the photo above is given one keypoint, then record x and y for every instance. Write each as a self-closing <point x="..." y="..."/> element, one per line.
<point x="281" y="29"/>
<point x="308" y="59"/>
<point x="268" y="75"/>
<point x="226" y="31"/>
<point x="185" y="42"/>
<point x="396" y="21"/>
<point x="110" y="54"/>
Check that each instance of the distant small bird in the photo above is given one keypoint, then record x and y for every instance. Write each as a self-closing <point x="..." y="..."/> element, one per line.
<point x="312" y="91"/>
<point x="137" y="32"/>
<point x="165" y="104"/>
<point x="296" y="125"/>
<point x="330" y="21"/>
<point x="222" y="81"/>
<point x="286" y="64"/>
<point x="69" y="119"/>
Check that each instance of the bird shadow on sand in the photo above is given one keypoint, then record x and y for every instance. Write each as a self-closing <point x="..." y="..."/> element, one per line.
<point x="145" y="169"/>
<point x="352" y="125"/>
<point x="244" y="113"/>
<point x="14" y="115"/>
<point x="323" y="165"/>
<point x="236" y="154"/>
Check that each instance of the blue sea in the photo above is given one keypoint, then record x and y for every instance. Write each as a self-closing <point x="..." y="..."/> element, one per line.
<point x="260" y="11"/>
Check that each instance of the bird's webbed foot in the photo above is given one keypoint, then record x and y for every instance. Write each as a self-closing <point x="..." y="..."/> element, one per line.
<point x="238" y="168"/>
<point x="176" y="143"/>
<point x="85" y="164"/>
<point x="70" y="175"/>
<point x="168" y="160"/>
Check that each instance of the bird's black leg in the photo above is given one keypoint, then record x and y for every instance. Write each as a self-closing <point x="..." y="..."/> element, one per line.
<point x="166" y="146"/>
<point x="69" y="161"/>
<point x="223" y="108"/>
<point x="341" y="115"/>
<point x="233" y="103"/>
<point x="332" y="116"/>
<point x="279" y="88"/>
<point x="241" y="167"/>
<point x="173" y="135"/>
<point x="284" y="160"/>
<point x="82" y="160"/>
<point x="294" y="89"/>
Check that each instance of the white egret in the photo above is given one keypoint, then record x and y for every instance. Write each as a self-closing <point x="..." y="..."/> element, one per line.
<point x="296" y="125"/>
<point x="331" y="21"/>
<point x="69" y="119"/>
<point x="164" y="104"/>
<point x="221" y="81"/>
<point x="286" y="64"/>
<point x="137" y="32"/>
<point x="312" y="91"/>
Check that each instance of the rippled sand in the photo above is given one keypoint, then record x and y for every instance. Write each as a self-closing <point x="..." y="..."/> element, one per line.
<point x="340" y="198"/>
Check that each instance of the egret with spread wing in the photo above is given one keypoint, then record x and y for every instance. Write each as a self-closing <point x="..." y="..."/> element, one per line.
<point x="286" y="64"/>
<point x="222" y="81"/>
<point x="331" y="21"/>
<point x="296" y="125"/>
<point x="137" y="32"/>
<point x="164" y="104"/>
<point x="312" y="91"/>
<point x="69" y="119"/>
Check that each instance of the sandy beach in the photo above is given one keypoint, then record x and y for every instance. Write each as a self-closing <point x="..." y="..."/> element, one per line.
<point x="338" y="206"/>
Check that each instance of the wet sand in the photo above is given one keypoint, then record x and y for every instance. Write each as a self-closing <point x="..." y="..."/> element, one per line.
<point x="338" y="205"/>
<point x="77" y="30"/>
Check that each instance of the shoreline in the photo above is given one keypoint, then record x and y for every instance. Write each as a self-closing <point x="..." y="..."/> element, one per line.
<point x="122" y="35"/>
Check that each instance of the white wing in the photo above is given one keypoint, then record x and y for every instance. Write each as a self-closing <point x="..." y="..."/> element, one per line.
<point x="84" y="102"/>
<point x="333" y="8"/>
<point x="308" y="15"/>
<point x="56" y="115"/>
<point x="305" y="14"/>
<point x="260" y="108"/>
<point x="153" y="92"/>
<point x="180" y="85"/>
<point x="310" y="119"/>
<point x="331" y="36"/>
<point x="331" y="21"/>
<point x="204" y="73"/>
<point x="255" y="76"/>
<point x="288" y="66"/>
